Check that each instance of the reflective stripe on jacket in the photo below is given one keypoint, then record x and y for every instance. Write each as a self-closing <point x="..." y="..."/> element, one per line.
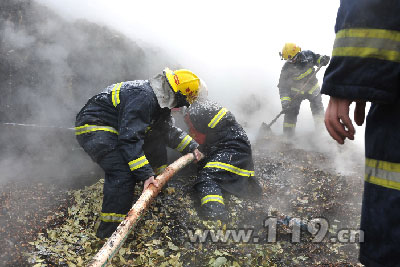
<point x="294" y="77"/>
<point x="365" y="66"/>
<point x="130" y="109"/>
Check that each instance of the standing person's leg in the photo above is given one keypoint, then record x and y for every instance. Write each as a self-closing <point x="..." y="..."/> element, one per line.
<point x="380" y="214"/>
<point x="290" y="118"/>
<point x="317" y="110"/>
<point x="119" y="182"/>
<point x="118" y="192"/>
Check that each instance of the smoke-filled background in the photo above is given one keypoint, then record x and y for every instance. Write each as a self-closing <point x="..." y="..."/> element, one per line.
<point x="232" y="45"/>
<point x="55" y="55"/>
<point x="50" y="67"/>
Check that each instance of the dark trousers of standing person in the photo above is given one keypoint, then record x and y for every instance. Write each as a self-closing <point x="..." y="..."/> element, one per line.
<point x="119" y="180"/>
<point x="290" y="117"/>
<point x="380" y="214"/>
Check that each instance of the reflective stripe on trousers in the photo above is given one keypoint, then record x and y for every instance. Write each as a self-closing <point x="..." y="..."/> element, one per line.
<point x="138" y="163"/>
<point x="286" y="98"/>
<point x="383" y="173"/>
<point x="112" y="217"/>
<point x="230" y="168"/>
<point x="289" y="125"/>
<point x="91" y="128"/>
<point x="216" y="198"/>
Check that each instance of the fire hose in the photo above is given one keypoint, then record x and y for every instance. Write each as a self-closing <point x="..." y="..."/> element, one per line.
<point x="117" y="239"/>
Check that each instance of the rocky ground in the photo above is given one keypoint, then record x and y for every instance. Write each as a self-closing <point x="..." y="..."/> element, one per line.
<point x="47" y="225"/>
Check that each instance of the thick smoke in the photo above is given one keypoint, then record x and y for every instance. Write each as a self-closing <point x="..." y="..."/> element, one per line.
<point x="50" y="68"/>
<point x="52" y="65"/>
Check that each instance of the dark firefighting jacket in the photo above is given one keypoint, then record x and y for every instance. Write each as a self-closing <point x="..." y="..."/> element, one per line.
<point x="122" y="115"/>
<point x="366" y="66"/>
<point x="228" y="156"/>
<point x="295" y="75"/>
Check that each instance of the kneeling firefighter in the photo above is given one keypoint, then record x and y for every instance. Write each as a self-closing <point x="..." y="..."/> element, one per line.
<point x="228" y="164"/>
<point x="125" y="129"/>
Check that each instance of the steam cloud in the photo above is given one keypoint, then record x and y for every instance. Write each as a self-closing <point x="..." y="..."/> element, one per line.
<point x="50" y="68"/>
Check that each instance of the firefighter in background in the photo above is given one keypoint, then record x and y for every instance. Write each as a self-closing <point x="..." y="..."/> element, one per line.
<point x="125" y="130"/>
<point x="365" y="66"/>
<point x="228" y="164"/>
<point x="298" y="83"/>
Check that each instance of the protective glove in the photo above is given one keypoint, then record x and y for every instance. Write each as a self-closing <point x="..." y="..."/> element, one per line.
<point x="324" y="60"/>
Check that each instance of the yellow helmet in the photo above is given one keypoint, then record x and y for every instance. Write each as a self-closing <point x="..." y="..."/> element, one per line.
<point x="185" y="82"/>
<point x="289" y="50"/>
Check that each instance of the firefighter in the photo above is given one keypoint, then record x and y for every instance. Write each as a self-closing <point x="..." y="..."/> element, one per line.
<point x="297" y="82"/>
<point x="365" y="67"/>
<point x="125" y="129"/>
<point x="228" y="165"/>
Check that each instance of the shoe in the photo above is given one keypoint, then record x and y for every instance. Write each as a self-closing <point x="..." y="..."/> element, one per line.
<point x="106" y="229"/>
<point x="214" y="211"/>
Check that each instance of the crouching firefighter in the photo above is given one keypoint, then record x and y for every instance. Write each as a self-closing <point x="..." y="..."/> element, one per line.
<point x="228" y="164"/>
<point x="297" y="83"/>
<point x="125" y="129"/>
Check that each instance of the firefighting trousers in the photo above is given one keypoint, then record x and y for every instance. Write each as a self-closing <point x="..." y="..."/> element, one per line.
<point x="290" y="117"/>
<point x="212" y="205"/>
<point x="380" y="215"/>
<point x="232" y="169"/>
<point x="229" y="170"/>
<point x="118" y="191"/>
<point x="119" y="182"/>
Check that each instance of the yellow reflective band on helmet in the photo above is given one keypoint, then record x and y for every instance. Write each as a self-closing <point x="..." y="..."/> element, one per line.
<point x="315" y="87"/>
<point x="138" y="163"/>
<point x="217" y="117"/>
<point x="297" y="90"/>
<point x="184" y="143"/>
<point x="286" y="98"/>
<point x="112" y="217"/>
<point x="160" y="169"/>
<point x="382" y="173"/>
<point x="289" y="125"/>
<point x="115" y="94"/>
<point x="91" y="128"/>
<point x="230" y="168"/>
<point x="368" y="43"/>
<point x="305" y="74"/>
<point x="216" y="198"/>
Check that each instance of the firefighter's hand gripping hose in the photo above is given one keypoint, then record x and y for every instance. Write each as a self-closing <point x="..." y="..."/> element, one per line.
<point x="113" y="244"/>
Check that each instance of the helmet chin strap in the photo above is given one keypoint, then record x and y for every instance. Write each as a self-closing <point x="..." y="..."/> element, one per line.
<point x="293" y="59"/>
